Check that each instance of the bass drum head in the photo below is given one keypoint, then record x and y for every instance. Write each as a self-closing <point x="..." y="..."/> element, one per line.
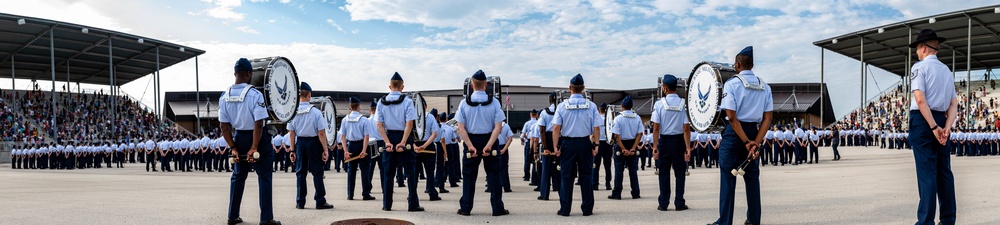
<point x="329" y="109"/>
<point x="278" y="81"/>
<point x="609" y="122"/>
<point x="421" y="122"/>
<point x="704" y="96"/>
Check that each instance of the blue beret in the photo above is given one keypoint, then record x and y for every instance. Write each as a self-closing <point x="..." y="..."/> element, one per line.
<point x="434" y="111"/>
<point x="534" y="111"/>
<point x="627" y="102"/>
<point x="355" y="100"/>
<point x="395" y="76"/>
<point x="479" y="75"/>
<point x="374" y="104"/>
<point x="443" y="115"/>
<point x="670" y="81"/>
<point x="243" y="65"/>
<point x="748" y="51"/>
<point x="305" y="87"/>
<point x="576" y="80"/>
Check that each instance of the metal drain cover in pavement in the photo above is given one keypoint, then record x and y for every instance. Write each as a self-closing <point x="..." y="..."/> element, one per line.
<point x="372" y="221"/>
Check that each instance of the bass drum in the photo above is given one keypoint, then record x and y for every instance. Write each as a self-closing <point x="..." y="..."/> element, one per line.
<point x="609" y="121"/>
<point x="704" y="94"/>
<point x="276" y="78"/>
<point x="421" y="121"/>
<point x="329" y="109"/>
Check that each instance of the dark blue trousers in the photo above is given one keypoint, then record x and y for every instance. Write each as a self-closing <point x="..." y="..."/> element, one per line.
<point x="671" y="149"/>
<point x="935" y="182"/>
<point x="427" y="164"/>
<point x="576" y="157"/>
<point x="528" y="160"/>
<point x="626" y="162"/>
<point x="732" y="153"/>
<point x="440" y="168"/>
<point x="470" y="170"/>
<point x="244" y="139"/>
<point x="406" y="161"/>
<point x="550" y="176"/>
<point x="454" y="164"/>
<point x="363" y="164"/>
<point x="309" y="160"/>
<point x="604" y="152"/>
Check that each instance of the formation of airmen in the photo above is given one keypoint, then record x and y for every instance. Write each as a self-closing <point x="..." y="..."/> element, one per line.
<point x="187" y="154"/>
<point x="564" y="147"/>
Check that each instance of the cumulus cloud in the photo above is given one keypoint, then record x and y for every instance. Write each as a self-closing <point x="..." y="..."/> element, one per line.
<point x="225" y="9"/>
<point x="247" y="29"/>
<point x="335" y="25"/>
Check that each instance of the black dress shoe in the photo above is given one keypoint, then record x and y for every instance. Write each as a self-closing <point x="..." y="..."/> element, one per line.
<point x="614" y="197"/>
<point x="435" y="198"/>
<point x="661" y="208"/>
<point x="270" y="222"/>
<point x="366" y="198"/>
<point x="501" y="213"/>
<point x="682" y="208"/>
<point x="464" y="213"/>
<point x="454" y="185"/>
<point x="443" y="191"/>
<point x="324" y="206"/>
<point x="543" y="199"/>
<point x="300" y="207"/>
<point x="508" y="191"/>
<point x="636" y="197"/>
<point x="235" y="221"/>
<point x="588" y="213"/>
<point x="607" y="188"/>
<point x="536" y="189"/>
<point x="402" y="185"/>
<point x="350" y="198"/>
<point x="747" y="222"/>
<point x="417" y="209"/>
<point x="562" y="214"/>
<point x="386" y="209"/>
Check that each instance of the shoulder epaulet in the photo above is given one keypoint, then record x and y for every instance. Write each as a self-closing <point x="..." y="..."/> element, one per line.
<point x="585" y="105"/>
<point x="678" y="107"/>
<point x="746" y="84"/>
<point x="237" y="98"/>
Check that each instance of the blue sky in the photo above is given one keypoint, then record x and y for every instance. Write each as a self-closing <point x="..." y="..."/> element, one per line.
<point x="616" y="44"/>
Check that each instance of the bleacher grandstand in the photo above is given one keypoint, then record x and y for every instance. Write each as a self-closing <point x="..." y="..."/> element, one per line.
<point x="889" y="110"/>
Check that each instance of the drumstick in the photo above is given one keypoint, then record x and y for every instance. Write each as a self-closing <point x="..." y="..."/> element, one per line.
<point x="353" y="158"/>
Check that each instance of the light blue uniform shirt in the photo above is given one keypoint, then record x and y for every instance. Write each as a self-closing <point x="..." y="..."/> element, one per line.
<point x="750" y="105"/>
<point x="242" y="115"/>
<point x="577" y="117"/>
<point x="533" y="132"/>
<point x="373" y="133"/>
<point x="447" y="133"/>
<point x="526" y="129"/>
<point x="627" y="126"/>
<point x="603" y="128"/>
<point x="394" y="117"/>
<point x="671" y="121"/>
<point x="800" y="134"/>
<point x="813" y="136"/>
<point x="935" y="80"/>
<point x="545" y="120"/>
<point x="183" y="145"/>
<point x="276" y="141"/>
<point x="479" y="119"/>
<point x="789" y="136"/>
<point x="354" y="127"/>
<point x="430" y="127"/>
<point x="307" y="124"/>
<point x="769" y="135"/>
<point x="505" y="133"/>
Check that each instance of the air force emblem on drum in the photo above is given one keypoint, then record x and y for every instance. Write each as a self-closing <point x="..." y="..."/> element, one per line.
<point x="283" y="90"/>
<point x="703" y="93"/>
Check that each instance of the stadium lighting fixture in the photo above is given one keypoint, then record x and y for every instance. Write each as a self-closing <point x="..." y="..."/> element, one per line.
<point x="85" y="30"/>
<point x="834" y="41"/>
<point x="20" y="22"/>
<point x="140" y="41"/>
<point x="932" y="20"/>
<point x="181" y="49"/>
<point x="881" y="30"/>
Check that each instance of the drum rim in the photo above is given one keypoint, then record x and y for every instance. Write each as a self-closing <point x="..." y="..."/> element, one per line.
<point x="328" y="99"/>
<point x="716" y="117"/>
<point x="420" y="124"/>
<point x="266" y="71"/>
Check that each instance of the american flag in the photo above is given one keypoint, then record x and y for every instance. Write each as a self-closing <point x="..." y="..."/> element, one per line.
<point x="507" y="99"/>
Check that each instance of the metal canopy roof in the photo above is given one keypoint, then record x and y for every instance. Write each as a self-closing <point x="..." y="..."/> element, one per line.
<point x="83" y="54"/>
<point x="886" y="47"/>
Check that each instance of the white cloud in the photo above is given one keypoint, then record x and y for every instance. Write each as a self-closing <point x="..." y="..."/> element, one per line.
<point x="335" y="25"/>
<point x="224" y="9"/>
<point x="285" y="1"/>
<point x="247" y="29"/>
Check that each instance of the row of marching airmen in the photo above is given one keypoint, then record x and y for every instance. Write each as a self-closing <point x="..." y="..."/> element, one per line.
<point x="565" y="138"/>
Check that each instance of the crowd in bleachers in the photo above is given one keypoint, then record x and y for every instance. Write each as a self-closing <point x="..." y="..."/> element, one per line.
<point x="889" y="112"/>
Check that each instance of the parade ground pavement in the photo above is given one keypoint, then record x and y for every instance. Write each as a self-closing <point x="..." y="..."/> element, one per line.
<point x="868" y="186"/>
